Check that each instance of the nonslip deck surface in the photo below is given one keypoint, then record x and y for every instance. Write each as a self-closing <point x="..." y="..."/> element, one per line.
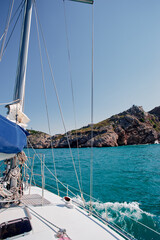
<point x="34" y="200"/>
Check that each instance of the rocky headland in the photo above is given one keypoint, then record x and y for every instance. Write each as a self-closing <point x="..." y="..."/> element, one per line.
<point x="133" y="126"/>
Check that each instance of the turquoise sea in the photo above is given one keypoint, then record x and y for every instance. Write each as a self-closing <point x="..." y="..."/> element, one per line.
<point x="126" y="182"/>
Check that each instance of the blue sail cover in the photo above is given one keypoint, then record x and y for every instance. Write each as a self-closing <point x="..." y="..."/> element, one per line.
<point x="13" y="138"/>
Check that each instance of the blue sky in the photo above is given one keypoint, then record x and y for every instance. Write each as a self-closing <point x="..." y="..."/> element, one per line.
<point x="126" y="60"/>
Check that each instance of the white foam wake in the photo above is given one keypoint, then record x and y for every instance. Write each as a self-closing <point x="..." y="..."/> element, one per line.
<point x="128" y="209"/>
<point x="128" y="216"/>
<point x="116" y="212"/>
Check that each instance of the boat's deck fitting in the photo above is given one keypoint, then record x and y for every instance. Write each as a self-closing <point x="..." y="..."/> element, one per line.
<point x="34" y="200"/>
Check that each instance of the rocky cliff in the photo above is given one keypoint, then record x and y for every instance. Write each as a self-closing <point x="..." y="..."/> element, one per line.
<point x="38" y="139"/>
<point x="134" y="126"/>
<point x="156" y="112"/>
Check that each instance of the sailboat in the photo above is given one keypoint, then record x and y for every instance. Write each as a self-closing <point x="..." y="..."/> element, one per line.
<point x="28" y="211"/>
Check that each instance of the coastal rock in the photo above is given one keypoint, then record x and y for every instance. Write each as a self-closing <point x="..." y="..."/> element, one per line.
<point x="122" y="137"/>
<point x="156" y="112"/>
<point x="133" y="126"/>
<point x="107" y="139"/>
<point x="142" y="135"/>
<point x="38" y="139"/>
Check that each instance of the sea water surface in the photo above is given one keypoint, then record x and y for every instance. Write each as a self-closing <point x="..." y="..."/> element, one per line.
<point x="126" y="183"/>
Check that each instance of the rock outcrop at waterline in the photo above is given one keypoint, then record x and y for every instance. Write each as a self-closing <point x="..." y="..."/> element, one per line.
<point x="133" y="126"/>
<point x="38" y="139"/>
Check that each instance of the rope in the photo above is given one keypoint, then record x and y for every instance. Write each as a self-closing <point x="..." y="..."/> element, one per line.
<point x="50" y="186"/>
<point x="142" y="224"/>
<point x="92" y="81"/>
<point x="6" y="29"/>
<point x="120" y="230"/>
<point x="22" y="2"/>
<point x="13" y="28"/>
<point x="25" y="171"/>
<point x="73" y="101"/>
<point x="40" y="216"/>
<point x="45" y="95"/>
<point x="43" y="217"/>
<point x="59" y="181"/>
<point x="56" y="92"/>
<point x="49" y="170"/>
<point x="2" y="36"/>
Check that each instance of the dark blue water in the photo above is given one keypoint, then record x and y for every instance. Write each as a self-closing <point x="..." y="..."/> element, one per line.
<point x="126" y="180"/>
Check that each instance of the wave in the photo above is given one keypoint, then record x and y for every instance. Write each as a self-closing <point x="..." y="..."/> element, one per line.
<point x="130" y="217"/>
<point x="131" y="210"/>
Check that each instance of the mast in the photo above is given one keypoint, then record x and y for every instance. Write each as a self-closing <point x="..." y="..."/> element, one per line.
<point x="15" y="112"/>
<point x="19" y="90"/>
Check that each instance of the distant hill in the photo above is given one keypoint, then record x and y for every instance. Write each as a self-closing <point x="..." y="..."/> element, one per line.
<point x="133" y="126"/>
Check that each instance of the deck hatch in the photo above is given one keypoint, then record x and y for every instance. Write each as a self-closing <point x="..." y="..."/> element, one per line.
<point x="15" y="227"/>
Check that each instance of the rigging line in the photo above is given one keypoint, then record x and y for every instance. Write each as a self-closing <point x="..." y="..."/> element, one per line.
<point x="39" y="218"/>
<point x="62" y="191"/>
<point x="12" y="30"/>
<point x="28" y="167"/>
<point x="143" y="225"/>
<point x="56" y="92"/>
<point x="73" y="99"/>
<point x="116" y="227"/>
<point x="28" y="141"/>
<point x="9" y="103"/>
<point x="92" y="88"/>
<point x="45" y="95"/>
<point x="46" y="220"/>
<point x="22" y="2"/>
<point x="42" y="217"/>
<point x="6" y="29"/>
<point x="28" y="152"/>
<point x="113" y="225"/>
<point x="49" y="169"/>
<point x="59" y="181"/>
<point x="2" y="36"/>
<point x="129" y="218"/>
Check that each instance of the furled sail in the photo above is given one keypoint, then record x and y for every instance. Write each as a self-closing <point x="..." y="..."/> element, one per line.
<point x="13" y="138"/>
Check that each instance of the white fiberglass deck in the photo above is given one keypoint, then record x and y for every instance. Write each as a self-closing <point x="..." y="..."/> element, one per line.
<point x="76" y="221"/>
